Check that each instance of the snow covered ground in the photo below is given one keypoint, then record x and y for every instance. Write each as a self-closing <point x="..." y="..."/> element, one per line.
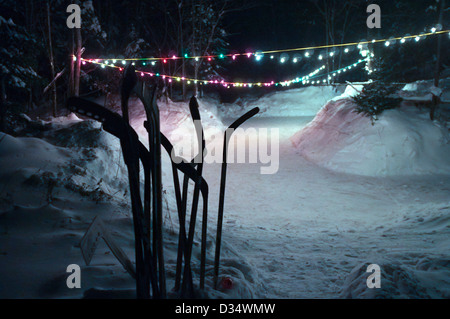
<point x="308" y="231"/>
<point x="299" y="102"/>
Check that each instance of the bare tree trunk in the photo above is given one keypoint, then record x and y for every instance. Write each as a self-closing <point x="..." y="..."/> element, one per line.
<point x="438" y="63"/>
<point x="30" y="99"/>
<point x="439" y="46"/>
<point x="327" y="28"/>
<point x="371" y="34"/>
<point x="52" y="61"/>
<point x="194" y="51"/>
<point x="196" y="77"/>
<point x="202" y="49"/>
<point x="2" y="103"/>
<point x="170" y="83"/>
<point x="78" y="43"/>
<point x="183" y="65"/>
<point x="72" y="65"/>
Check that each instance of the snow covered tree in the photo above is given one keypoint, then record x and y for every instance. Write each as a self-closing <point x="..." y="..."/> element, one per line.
<point x="206" y="34"/>
<point x="137" y="46"/>
<point x="16" y="66"/>
<point x="378" y="95"/>
<point x="17" y="63"/>
<point x="92" y="34"/>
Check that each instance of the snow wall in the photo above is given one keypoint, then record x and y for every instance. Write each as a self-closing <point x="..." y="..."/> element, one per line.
<point x="402" y="142"/>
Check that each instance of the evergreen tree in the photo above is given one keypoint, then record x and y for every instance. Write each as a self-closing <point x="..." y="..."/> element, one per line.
<point x="18" y="63"/>
<point x="378" y="95"/>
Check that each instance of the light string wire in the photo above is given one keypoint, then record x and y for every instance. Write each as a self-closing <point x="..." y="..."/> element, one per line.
<point x="304" y="80"/>
<point x="249" y="54"/>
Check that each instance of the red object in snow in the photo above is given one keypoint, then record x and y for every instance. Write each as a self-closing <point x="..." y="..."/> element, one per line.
<point x="226" y="283"/>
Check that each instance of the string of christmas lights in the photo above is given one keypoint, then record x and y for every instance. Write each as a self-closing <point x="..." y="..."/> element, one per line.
<point x="259" y="55"/>
<point x="170" y="78"/>
<point x="307" y="80"/>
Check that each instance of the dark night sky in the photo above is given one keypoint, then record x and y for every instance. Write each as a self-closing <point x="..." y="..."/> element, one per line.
<point x="284" y="24"/>
<point x="274" y="24"/>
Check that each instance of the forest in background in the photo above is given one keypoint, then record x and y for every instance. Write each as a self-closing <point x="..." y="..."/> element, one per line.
<point x="38" y="72"/>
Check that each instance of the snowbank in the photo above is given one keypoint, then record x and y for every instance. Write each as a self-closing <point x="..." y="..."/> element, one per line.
<point x="408" y="268"/>
<point x="402" y="142"/>
<point x="176" y="122"/>
<point x="56" y="180"/>
<point x="72" y="154"/>
<point x="424" y="91"/>
<point x="399" y="281"/>
<point x="175" y="117"/>
<point x="305" y="101"/>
